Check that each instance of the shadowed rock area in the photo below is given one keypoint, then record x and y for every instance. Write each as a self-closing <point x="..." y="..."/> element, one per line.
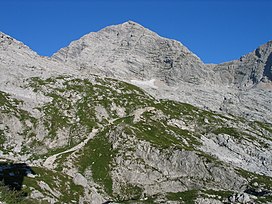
<point x="12" y="175"/>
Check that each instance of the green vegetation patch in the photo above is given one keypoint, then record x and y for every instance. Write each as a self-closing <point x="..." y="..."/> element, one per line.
<point x="221" y="194"/>
<point x="9" y="108"/>
<point x="86" y="113"/>
<point x="266" y="126"/>
<point x="7" y="103"/>
<point x="262" y="180"/>
<point x="156" y="135"/>
<point x="10" y="105"/>
<point x="57" y="182"/>
<point x="227" y="130"/>
<point x="129" y="192"/>
<point x="265" y="199"/>
<point x="98" y="155"/>
<point x="176" y="109"/>
<point x="188" y="197"/>
<point x="14" y="197"/>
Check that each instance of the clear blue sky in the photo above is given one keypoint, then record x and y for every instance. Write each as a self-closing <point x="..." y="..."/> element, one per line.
<point x="215" y="30"/>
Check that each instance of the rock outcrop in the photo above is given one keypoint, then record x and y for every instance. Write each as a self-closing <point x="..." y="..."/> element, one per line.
<point x="167" y="69"/>
<point x="188" y="132"/>
<point x="250" y="70"/>
<point x="130" y="51"/>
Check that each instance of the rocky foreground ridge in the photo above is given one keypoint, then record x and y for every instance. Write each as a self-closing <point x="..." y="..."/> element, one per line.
<point x="126" y="116"/>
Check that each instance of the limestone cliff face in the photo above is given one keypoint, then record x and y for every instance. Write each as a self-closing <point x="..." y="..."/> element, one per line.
<point x="131" y="51"/>
<point x="186" y="133"/>
<point x="249" y="70"/>
<point x="14" y="54"/>
<point x="18" y="63"/>
<point x="167" y="69"/>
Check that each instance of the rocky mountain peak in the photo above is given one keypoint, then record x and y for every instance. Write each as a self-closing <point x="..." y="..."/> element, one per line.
<point x="18" y="62"/>
<point x="129" y="25"/>
<point x="250" y="70"/>
<point x="6" y="41"/>
<point x="14" y="52"/>
<point x="94" y="139"/>
<point x="4" y="37"/>
<point x="264" y="50"/>
<point x="264" y="54"/>
<point x="133" y="23"/>
<point x="9" y="43"/>
<point x="133" y="51"/>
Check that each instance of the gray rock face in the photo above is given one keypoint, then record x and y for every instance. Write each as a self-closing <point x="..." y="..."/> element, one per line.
<point x="131" y="51"/>
<point x="167" y="69"/>
<point x="111" y="140"/>
<point x="241" y="198"/>
<point x="249" y="70"/>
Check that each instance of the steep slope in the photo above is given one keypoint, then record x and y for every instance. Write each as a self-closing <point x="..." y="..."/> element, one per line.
<point x="18" y="62"/>
<point x="108" y="140"/>
<point x="12" y="55"/>
<point x="76" y="137"/>
<point x="167" y="69"/>
<point x="130" y="51"/>
<point x="249" y="70"/>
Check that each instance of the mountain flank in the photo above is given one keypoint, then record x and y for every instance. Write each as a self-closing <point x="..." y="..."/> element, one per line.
<point x="123" y="115"/>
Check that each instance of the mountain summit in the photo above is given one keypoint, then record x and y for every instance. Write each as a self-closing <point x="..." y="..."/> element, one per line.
<point x="163" y="67"/>
<point x="249" y="70"/>
<point x="131" y="51"/>
<point x="123" y="115"/>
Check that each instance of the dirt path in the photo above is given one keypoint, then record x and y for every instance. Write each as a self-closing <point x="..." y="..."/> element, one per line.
<point x="49" y="162"/>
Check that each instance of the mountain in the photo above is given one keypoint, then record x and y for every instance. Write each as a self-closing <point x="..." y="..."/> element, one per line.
<point x="129" y="50"/>
<point x="126" y="116"/>
<point x="167" y="69"/>
<point x="251" y="69"/>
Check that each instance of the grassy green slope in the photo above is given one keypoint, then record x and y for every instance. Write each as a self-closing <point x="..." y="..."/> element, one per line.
<point x="79" y="105"/>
